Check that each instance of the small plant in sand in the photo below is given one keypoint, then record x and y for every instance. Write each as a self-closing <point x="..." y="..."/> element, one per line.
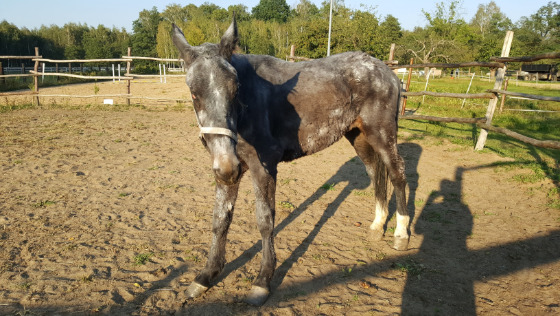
<point x="95" y="89"/>
<point x="44" y="203"/>
<point x="143" y="258"/>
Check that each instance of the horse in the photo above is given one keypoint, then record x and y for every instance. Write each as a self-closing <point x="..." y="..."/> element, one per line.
<point x="255" y="111"/>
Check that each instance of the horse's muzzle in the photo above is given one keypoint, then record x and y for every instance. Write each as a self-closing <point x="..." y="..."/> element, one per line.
<point x="227" y="169"/>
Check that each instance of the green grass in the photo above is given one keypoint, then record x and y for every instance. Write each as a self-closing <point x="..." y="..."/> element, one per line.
<point x="542" y="126"/>
<point x="142" y="258"/>
<point x="535" y="164"/>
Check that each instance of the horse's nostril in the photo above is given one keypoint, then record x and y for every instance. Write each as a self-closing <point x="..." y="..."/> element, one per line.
<point x="227" y="170"/>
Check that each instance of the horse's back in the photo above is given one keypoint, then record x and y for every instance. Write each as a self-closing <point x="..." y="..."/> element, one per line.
<point x="310" y="105"/>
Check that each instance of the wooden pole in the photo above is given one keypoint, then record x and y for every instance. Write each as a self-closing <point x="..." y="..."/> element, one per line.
<point x="293" y="53"/>
<point x="36" y="78"/>
<point x="407" y="86"/>
<point x="392" y="52"/>
<point x="504" y="96"/>
<point x="128" y="74"/>
<point x="497" y="85"/>
<point x="2" y="80"/>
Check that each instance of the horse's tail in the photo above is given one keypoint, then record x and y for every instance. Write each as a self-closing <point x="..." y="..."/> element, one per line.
<point x="383" y="186"/>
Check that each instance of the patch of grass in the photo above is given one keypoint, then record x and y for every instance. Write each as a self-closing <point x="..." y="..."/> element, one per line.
<point x="363" y="193"/>
<point x="328" y="186"/>
<point x="554" y="198"/>
<point x="410" y="267"/>
<point x="26" y="285"/>
<point x="380" y="255"/>
<point x="346" y="272"/>
<point x="192" y="257"/>
<point x="142" y="258"/>
<point x="44" y="203"/>
<point x="432" y="216"/>
<point x="287" y="205"/>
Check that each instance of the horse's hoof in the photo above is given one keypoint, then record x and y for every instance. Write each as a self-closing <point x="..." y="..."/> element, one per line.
<point x="195" y="290"/>
<point x="376" y="235"/>
<point x="400" y="243"/>
<point x="257" y="296"/>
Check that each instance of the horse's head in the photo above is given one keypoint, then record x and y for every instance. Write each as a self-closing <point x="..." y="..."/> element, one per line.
<point x="213" y="83"/>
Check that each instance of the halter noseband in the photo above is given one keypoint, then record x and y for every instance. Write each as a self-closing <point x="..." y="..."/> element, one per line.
<point x="215" y="130"/>
<point x="219" y="131"/>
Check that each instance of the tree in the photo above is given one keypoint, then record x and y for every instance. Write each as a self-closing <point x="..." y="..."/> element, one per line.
<point x="488" y="27"/>
<point x="305" y="9"/>
<point x="539" y="32"/>
<point x="145" y="32"/>
<point x="267" y="10"/>
<point x="490" y="19"/>
<point x="97" y="43"/>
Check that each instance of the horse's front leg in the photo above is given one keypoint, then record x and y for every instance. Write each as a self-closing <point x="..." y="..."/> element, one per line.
<point x="223" y="213"/>
<point x="265" y="188"/>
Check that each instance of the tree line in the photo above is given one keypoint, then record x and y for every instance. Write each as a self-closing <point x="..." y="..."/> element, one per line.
<point x="272" y="27"/>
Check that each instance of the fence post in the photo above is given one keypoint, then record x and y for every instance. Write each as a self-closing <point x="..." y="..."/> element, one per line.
<point x="128" y="75"/>
<point x="36" y="78"/>
<point x="407" y="86"/>
<point x="2" y="80"/>
<point x="392" y="52"/>
<point x="504" y="96"/>
<point x="497" y="86"/>
<point x="292" y="53"/>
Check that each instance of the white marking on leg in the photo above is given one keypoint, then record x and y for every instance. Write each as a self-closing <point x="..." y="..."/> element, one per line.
<point x="381" y="214"/>
<point x="402" y="226"/>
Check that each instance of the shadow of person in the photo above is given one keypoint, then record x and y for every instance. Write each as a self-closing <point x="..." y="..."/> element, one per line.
<point x="439" y="279"/>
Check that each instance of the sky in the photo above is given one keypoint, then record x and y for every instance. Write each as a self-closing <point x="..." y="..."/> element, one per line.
<point x="32" y="14"/>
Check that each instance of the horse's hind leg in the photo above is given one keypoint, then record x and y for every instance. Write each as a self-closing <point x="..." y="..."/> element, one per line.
<point x="223" y="213"/>
<point x="384" y="161"/>
<point x="378" y="175"/>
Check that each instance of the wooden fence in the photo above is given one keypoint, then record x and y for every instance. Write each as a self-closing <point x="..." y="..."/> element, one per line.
<point x="499" y="63"/>
<point x="485" y="123"/>
<point x="128" y="76"/>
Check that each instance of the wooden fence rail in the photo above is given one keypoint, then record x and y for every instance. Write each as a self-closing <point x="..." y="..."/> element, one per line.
<point x="553" y="55"/>
<point x="450" y="95"/>
<point x="455" y="65"/>
<point x="525" y="95"/>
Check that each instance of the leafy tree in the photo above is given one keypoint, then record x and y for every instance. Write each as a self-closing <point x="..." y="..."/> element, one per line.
<point x="145" y="32"/>
<point x="97" y="43"/>
<point x="489" y="20"/>
<point x="305" y="9"/>
<point x="488" y="26"/>
<point x="540" y="32"/>
<point x="267" y="10"/>
<point x="241" y="13"/>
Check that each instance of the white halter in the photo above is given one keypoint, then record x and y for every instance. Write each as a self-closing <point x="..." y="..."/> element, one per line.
<point x="215" y="130"/>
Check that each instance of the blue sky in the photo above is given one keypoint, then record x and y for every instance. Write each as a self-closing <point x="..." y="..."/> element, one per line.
<point x="34" y="13"/>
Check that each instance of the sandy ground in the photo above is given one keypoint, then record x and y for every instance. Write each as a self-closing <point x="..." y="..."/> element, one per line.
<point x="108" y="212"/>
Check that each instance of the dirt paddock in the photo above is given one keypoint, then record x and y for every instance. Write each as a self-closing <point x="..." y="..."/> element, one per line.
<point x="109" y="212"/>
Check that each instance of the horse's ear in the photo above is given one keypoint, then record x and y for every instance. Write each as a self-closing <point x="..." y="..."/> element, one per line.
<point x="229" y="40"/>
<point x="185" y="50"/>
